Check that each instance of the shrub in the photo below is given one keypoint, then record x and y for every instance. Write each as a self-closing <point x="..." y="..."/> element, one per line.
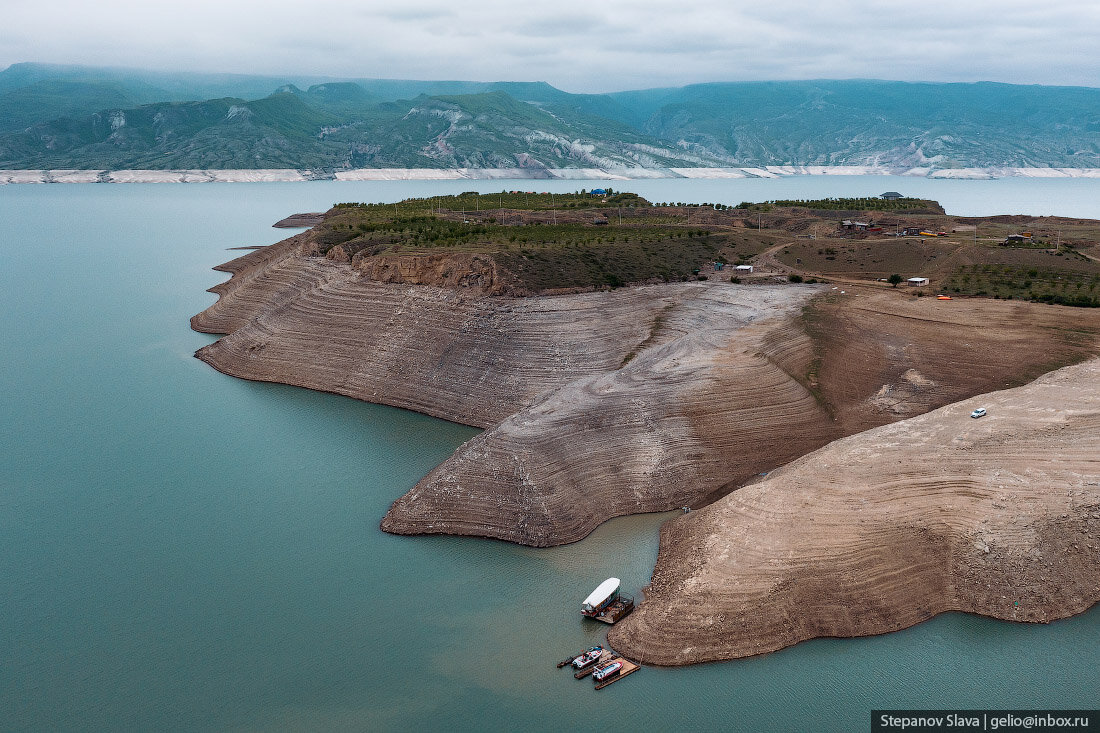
<point x="795" y="278"/>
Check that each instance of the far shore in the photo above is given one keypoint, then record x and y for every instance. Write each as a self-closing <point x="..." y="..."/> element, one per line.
<point x="481" y="174"/>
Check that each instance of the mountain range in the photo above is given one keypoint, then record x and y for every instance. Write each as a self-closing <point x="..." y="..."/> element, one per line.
<point x="102" y="118"/>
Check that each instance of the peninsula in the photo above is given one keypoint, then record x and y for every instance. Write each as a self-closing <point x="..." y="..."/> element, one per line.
<point x="620" y="364"/>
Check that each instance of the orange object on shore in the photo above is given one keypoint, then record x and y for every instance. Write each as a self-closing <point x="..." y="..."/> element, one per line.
<point x="944" y="297"/>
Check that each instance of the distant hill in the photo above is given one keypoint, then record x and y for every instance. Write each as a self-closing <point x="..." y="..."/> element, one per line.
<point x="49" y="99"/>
<point x="333" y="126"/>
<point x="274" y="132"/>
<point x="865" y="122"/>
<point x="84" y="117"/>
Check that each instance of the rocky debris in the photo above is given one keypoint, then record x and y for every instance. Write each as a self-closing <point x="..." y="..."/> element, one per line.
<point x="998" y="516"/>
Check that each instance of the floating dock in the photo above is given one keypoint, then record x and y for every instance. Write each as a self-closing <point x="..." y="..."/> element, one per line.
<point x="616" y="611"/>
<point x="628" y="668"/>
<point x="606" y="657"/>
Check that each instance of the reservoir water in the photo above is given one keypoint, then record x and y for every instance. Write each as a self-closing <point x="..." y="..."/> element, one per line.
<point x="181" y="550"/>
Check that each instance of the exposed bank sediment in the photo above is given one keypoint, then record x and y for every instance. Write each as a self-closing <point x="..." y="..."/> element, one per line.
<point x="998" y="516"/>
<point x="648" y="398"/>
<point x="701" y="408"/>
<point x="598" y="404"/>
<point x="315" y="323"/>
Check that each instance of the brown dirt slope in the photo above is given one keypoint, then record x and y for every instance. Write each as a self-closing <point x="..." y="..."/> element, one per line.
<point x="998" y="516"/>
<point x="883" y="355"/>
<point x="607" y="403"/>
<point x="700" y="407"/>
<point x="315" y="323"/>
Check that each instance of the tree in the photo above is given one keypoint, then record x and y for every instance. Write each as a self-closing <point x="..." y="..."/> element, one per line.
<point x="894" y="279"/>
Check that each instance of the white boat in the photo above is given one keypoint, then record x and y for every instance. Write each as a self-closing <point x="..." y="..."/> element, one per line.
<point x="607" y="670"/>
<point x="597" y="600"/>
<point x="589" y="658"/>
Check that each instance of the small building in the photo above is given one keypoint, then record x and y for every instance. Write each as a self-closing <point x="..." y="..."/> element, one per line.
<point x="890" y="196"/>
<point x="743" y="268"/>
<point x="1017" y="239"/>
<point x="718" y="266"/>
<point x="600" y="221"/>
<point x="910" y="232"/>
<point x="917" y="282"/>
<point x="599" y="191"/>
<point x="854" y="226"/>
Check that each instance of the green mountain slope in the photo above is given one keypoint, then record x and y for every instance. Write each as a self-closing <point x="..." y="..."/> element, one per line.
<point x="492" y="130"/>
<point x="865" y="122"/>
<point x="84" y="117"/>
<point x="330" y="128"/>
<point x="46" y="100"/>
<point x="222" y="133"/>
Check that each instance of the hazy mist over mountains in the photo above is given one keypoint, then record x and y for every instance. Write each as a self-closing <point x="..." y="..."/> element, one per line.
<point x="102" y="118"/>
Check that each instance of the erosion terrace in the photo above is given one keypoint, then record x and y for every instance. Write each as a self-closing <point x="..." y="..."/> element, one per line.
<point x="618" y="363"/>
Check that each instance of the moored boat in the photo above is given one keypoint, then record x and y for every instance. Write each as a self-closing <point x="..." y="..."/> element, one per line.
<point x="607" y="670"/>
<point x="599" y="599"/>
<point x="589" y="658"/>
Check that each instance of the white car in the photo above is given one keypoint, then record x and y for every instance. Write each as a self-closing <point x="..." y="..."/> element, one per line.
<point x="980" y="412"/>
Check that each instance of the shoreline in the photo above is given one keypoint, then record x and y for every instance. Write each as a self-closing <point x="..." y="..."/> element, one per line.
<point x="290" y="175"/>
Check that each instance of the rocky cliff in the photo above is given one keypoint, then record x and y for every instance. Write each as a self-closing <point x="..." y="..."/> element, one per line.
<point x="998" y="516"/>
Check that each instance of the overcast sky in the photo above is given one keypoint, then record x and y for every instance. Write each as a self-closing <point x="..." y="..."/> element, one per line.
<point x="579" y="46"/>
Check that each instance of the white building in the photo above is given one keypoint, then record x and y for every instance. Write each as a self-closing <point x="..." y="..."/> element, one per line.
<point x="917" y="282"/>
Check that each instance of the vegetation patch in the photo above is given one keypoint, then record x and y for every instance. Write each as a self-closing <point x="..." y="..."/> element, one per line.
<point x="870" y="203"/>
<point x="1037" y="284"/>
<point x="547" y="241"/>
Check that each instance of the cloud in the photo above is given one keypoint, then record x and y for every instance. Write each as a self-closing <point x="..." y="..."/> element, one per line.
<point x="578" y="46"/>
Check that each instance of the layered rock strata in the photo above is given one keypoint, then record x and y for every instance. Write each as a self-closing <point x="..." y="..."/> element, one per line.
<point x="998" y="516"/>
<point x="699" y="409"/>
<point x="600" y="404"/>
<point x="316" y="323"/>
<point x="608" y="403"/>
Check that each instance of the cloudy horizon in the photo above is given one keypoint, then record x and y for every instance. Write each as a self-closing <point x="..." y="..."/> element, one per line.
<point x="578" y="47"/>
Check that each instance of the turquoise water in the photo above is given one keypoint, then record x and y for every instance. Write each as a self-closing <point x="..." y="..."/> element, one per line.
<point x="184" y="550"/>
